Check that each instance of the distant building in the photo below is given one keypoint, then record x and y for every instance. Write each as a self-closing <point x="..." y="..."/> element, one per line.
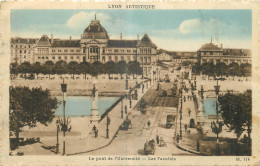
<point x="210" y="52"/>
<point x="94" y="45"/>
<point x="164" y="56"/>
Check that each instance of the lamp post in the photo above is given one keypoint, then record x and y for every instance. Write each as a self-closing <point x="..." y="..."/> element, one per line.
<point x="122" y="108"/>
<point x="217" y="126"/>
<point x="58" y="129"/>
<point x="181" y="115"/>
<point x="126" y="83"/>
<point x="108" y="123"/>
<point x="64" y="125"/>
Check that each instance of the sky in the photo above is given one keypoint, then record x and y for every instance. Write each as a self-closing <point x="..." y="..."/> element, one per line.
<point x="173" y="30"/>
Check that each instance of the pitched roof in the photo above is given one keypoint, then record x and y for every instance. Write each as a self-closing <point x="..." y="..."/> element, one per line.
<point x="23" y="40"/>
<point x="122" y="43"/>
<point x="44" y="41"/>
<point x="65" y="43"/>
<point x="146" y="42"/>
<point x="210" y="47"/>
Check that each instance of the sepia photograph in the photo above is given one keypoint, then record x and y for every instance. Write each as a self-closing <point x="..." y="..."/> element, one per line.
<point x="137" y="84"/>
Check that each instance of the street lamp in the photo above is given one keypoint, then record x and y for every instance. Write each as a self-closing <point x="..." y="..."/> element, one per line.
<point x="217" y="126"/>
<point x="58" y="130"/>
<point x="181" y="115"/>
<point x="64" y="125"/>
<point x="108" y="123"/>
<point x="122" y="111"/>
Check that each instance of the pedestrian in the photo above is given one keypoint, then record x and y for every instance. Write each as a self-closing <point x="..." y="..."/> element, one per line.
<point x="189" y="112"/>
<point x="157" y="139"/>
<point x="94" y="128"/>
<point x="198" y="146"/>
<point x="148" y="123"/>
<point x="184" y="98"/>
<point x="185" y="126"/>
<point x="178" y="138"/>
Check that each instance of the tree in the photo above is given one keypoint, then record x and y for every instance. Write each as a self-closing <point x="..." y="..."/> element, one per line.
<point x="29" y="106"/>
<point x="134" y="68"/>
<point x="236" y="111"/>
<point x="121" y="68"/>
<point x="60" y="67"/>
<point x="24" y="68"/>
<point x="84" y="68"/>
<point x="73" y="67"/>
<point x="37" y="68"/>
<point x="48" y="68"/>
<point x="110" y="68"/>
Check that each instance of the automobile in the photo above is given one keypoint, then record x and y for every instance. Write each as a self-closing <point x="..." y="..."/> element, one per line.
<point x="170" y="121"/>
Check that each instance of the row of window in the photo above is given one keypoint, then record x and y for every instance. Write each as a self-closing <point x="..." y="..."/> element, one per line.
<point x="22" y="51"/>
<point x="66" y="50"/>
<point x="59" y="58"/>
<point x="21" y="46"/>
<point x="121" y="51"/>
<point x="145" y="50"/>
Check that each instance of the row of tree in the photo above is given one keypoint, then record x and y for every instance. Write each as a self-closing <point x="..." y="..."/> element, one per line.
<point x="61" y="67"/>
<point x="221" y="69"/>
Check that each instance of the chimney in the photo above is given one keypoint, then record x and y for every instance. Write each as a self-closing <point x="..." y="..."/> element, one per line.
<point x="137" y="37"/>
<point x="120" y="36"/>
<point x="51" y="38"/>
<point x="70" y="37"/>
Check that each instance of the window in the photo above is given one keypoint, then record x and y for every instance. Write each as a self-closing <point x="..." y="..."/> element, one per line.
<point x="53" y="50"/>
<point x="20" y="46"/>
<point x="20" y="51"/>
<point x="59" y="50"/>
<point x="77" y="50"/>
<point x="59" y="58"/>
<point x="77" y="57"/>
<point x="24" y="46"/>
<point x="71" y="57"/>
<point x="53" y="57"/>
<point x="128" y="50"/>
<point x="115" y="50"/>
<point x="16" y="46"/>
<point x="11" y="45"/>
<point x="116" y="58"/>
<point x="91" y="50"/>
<point x="47" y="57"/>
<point x="103" y="50"/>
<point x="24" y="56"/>
<point x="24" y="51"/>
<point x="71" y="50"/>
<point x="122" y="58"/>
<point x="39" y="57"/>
<point x="122" y="50"/>
<point x="29" y="46"/>
<point x="110" y="58"/>
<point x="134" y="50"/>
<point x="43" y="57"/>
<point x="65" y="58"/>
<point x="65" y="50"/>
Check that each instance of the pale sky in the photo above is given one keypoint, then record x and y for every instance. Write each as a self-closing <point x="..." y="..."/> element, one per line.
<point x="174" y="30"/>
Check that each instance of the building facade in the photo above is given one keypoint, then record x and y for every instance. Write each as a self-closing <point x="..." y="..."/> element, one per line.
<point x="210" y="52"/>
<point x="94" y="45"/>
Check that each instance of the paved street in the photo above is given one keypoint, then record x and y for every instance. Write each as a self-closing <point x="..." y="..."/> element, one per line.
<point x="131" y="142"/>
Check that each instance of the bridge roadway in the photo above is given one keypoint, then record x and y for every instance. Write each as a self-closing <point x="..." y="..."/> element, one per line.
<point x="131" y="141"/>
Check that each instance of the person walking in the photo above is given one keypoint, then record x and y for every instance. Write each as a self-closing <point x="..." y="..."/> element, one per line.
<point x="185" y="126"/>
<point x="189" y="112"/>
<point x="148" y="123"/>
<point x="157" y="139"/>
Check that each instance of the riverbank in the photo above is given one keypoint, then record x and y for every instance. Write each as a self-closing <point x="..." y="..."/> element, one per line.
<point x="79" y="87"/>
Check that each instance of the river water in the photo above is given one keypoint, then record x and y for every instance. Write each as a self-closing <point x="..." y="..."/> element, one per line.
<point x="81" y="105"/>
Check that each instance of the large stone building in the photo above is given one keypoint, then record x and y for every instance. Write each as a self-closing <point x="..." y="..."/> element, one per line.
<point x="210" y="52"/>
<point x="94" y="45"/>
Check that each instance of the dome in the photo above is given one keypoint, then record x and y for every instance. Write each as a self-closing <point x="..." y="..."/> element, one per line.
<point x="95" y="31"/>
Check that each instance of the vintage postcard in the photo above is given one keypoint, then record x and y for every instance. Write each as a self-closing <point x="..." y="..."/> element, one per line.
<point x="129" y="83"/>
